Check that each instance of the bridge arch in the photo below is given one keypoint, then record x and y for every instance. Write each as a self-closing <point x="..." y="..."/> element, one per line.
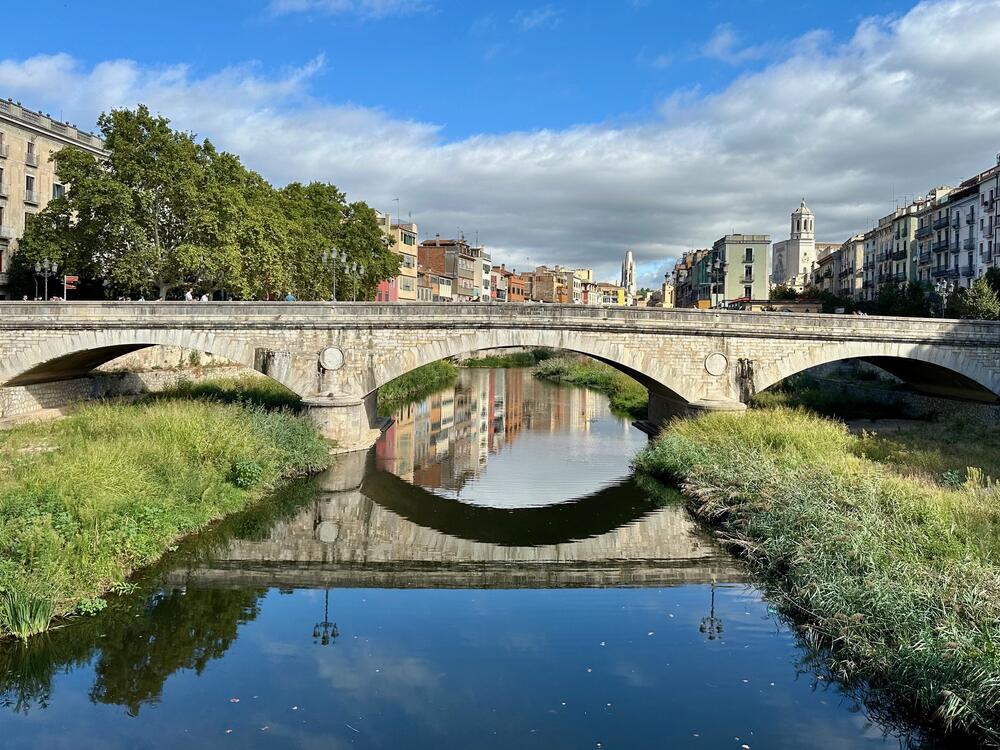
<point x="932" y="370"/>
<point x="75" y="355"/>
<point x="641" y="363"/>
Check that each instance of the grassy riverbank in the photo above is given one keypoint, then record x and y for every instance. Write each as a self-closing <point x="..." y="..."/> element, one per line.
<point x="625" y="394"/>
<point x="86" y="501"/>
<point x="415" y="385"/>
<point x="886" y="555"/>
<point x="517" y="359"/>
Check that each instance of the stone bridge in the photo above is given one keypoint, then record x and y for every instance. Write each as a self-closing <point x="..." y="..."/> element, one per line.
<point x="336" y="356"/>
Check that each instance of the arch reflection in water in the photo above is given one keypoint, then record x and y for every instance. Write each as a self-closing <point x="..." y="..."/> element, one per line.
<point x="504" y="439"/>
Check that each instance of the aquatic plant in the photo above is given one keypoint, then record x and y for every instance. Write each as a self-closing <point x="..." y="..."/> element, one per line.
<point x="23" y="615"/>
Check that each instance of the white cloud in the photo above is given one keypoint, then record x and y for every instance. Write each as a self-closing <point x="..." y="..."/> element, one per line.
<point x="906" y="103"/>
<point x="544" y="17"/>
<point x="724" y="45"/>
<point x="368" y="9"/>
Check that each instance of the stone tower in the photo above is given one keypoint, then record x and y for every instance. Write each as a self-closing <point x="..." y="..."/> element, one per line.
<point x="792" y="259"/>
<point x="628" y="274"/>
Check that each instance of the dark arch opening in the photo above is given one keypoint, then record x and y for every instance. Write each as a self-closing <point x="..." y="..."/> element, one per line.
<point x="74" y="365"/>
<point x="651" y="385"/>
<point x="917" y="376"/>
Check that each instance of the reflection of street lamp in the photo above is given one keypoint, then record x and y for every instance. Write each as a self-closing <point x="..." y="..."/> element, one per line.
<point x="325" y="632"/>
<point x="46" y="269"/>
<point x="944" y="290"/>
<point x="711" y="625"/>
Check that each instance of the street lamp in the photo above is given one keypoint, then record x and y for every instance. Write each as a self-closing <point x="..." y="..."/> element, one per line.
<point x="711" y="625"/>
<point x="325" y="632"/>
<point x="945" y="289"/>
<point x="356" y="269"/>
<point x="333" y="256"/>
<point x="46" y="269"/>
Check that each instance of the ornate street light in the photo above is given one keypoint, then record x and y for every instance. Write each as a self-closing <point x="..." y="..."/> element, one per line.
<point x="945" y="289"/>
<point x="46" y="269"/>
<point x="711" y="625"/>
<point x="334" y="257"/>
<point x="325" y="632"/>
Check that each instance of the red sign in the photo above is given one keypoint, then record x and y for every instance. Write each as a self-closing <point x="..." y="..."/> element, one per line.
<point x="69" y="282"/>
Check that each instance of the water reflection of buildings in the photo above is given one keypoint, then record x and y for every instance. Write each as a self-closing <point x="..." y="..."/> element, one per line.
<point x="446" y="440"/>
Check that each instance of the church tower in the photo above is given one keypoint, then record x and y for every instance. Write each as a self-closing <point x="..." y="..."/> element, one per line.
<point x="628" y="274"/>
<point x="802" y="244"/>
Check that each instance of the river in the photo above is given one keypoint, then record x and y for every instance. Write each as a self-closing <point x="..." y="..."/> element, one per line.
<point x="491" y="575"/>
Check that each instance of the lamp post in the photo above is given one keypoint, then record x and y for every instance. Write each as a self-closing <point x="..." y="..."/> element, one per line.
<point x="46" y="269"/>
<point x="325" y="632"/>
<point x="711" y="625"/>
<point x="945" y="289"/>
<point x="333" y="256"/>
<point x="356" y="269"/>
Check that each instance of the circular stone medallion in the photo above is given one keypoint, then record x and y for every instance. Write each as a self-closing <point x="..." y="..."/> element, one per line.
<point x="716" y="363"/>
<point x="331" y="358"/>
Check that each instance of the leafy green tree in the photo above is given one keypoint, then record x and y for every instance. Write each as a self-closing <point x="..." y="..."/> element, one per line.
<point x="322" y="224"/>
<point x="782" y="292"/>
<point x="978" y="302"/>
<point x="992" y="277"/>
<point x="910" y="300"/>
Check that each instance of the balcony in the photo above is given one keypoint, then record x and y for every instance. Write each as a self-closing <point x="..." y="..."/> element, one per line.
<point x="31" y="159"/>
<point x="31" y="196"/>
<point x="969" y="243"/>
<point x="940" y="223"/>
<point x="6" y="233"/>
<point x="941" y="246"/>
<point x="967" y="270"/>
<point x="924" y="257"/>
<point x="898" y="255"/>
<point x="4" y="150"/>
<point x="945" y="273"/>
<point x="924" y="231"/>
<point x="970" y="219"/>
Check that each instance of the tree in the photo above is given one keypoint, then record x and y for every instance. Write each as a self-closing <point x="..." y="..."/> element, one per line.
<point x="978" y="302"/>
<point x="910" y="300"/>
<point x="323" y="223"/>
<point x="782" y="292"/>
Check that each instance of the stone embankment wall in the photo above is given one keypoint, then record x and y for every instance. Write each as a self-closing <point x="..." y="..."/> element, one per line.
<point x="146" y="371"/>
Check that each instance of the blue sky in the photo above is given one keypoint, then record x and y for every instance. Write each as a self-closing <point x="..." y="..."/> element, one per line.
<point x="469" y="67"/>
<point x="559" y="131"/>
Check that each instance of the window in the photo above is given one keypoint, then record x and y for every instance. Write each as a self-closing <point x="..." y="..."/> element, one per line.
<point x="409" y="239"/>
<point x="409" y="261"/>
<point x="748" y="292"/>
<point x="748" y="256"/>
<point x="29" y="189"/>
<point x="58" y="191"/>
<point x="406" y="284"/>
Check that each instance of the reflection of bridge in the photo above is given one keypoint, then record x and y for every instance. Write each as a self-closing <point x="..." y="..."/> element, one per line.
<point x="388" y="533"/>
<point x="337" y="355"/>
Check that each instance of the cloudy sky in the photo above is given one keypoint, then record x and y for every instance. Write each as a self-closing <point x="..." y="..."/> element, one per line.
<point x="556" y="132"/>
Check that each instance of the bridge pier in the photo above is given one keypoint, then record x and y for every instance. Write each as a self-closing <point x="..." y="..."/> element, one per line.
<point x="662" y="408"/>
<point x="350" y="423"/>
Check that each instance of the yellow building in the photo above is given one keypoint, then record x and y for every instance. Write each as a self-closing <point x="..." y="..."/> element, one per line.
<point x="612" y="294"/>
<point x="404" y="236"/>
<point x="27" y="174"/>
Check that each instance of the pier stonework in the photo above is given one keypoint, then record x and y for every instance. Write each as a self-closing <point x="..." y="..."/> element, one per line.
<point x="336" y="356"/>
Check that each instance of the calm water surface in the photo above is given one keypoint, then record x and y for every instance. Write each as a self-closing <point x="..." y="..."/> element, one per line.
<point x="490" y="575"/>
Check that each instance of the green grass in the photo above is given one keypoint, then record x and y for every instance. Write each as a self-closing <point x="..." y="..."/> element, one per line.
<point x="86" y="501"/>
<point x="626" y="395"/>
<point x="518" y="359"/>
<point x="249" y="390"/>
<point x="893" y="580"/>
<point x="415" y="385"/>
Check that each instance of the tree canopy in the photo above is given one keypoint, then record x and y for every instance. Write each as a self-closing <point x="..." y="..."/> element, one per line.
<point x="165" y="213"/>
